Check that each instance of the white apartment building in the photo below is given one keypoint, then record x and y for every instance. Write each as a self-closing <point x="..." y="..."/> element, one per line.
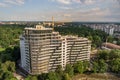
<point x="108" y="28"/>
<point x="42" y="50"/>
<point x="75" y="49"/>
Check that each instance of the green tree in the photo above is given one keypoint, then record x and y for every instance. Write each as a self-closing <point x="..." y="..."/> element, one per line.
<point x="114" y="54"/>
<point x="30" y="77"/>
<point x="102" y="66"/>
<point x="1" y="71"/>
<point x="10" y="66"/>
<point x="52" y="76"/>
<point x="59" y="72"/>
<point x="99" y="66"/>
<point x="79" y="67"/>
<point x="6" y="70"/>
<point x="7" y="76"/>
<point x="86" y="65"/>
<point x="69" y="69"/>
<point x="66" y="76"/>
<point x="13" y="79"/>
<point x="115" y="65"/>
<point x="6" y="55"/>
<point x="16" y="53"/>
<point x="95" y="67"/>
<point x="110" y="39"/>
<point x="97" y="40"/>
<point x="43" y="76"/>
<point x="103" y="54"/>
<point x="90" y="38"/>
<point x="9" y="34"/>
<point x="118" y="42"/>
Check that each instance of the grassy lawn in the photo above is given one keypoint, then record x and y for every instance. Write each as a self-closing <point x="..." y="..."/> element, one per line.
<point x="99" y="76"/>
<point x="1" y="49"/>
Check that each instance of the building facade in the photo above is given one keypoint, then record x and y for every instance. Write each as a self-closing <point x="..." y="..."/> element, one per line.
<point x="42" y="50"/>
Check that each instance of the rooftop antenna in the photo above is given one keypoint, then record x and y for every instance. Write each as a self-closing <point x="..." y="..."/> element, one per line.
<point x="53" y="23"/>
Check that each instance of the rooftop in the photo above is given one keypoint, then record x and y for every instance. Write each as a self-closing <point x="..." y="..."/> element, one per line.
<point x="38" y="27"/>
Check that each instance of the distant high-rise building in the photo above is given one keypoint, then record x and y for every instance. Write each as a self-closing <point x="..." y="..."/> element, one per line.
<point x="42" y="50"/>
<point x="108" y="28"/>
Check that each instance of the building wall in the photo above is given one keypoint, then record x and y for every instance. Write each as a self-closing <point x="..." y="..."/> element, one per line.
<point x="22" y="49"/>
<point x="55" y="55"/>
<point x="64" y="53"/>
<point x="24" y="54"/>
<point x="78" y="49"/>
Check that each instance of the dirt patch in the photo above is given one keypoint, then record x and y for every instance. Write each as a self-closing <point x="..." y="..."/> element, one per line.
<point x="98" y="76"/>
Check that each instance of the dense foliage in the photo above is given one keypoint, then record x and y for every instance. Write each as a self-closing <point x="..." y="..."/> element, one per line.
<point x="9" y="50"/>
<point x="9" y="35"/>
<point x="107" y="61"/>
<point x="8" y="59"/>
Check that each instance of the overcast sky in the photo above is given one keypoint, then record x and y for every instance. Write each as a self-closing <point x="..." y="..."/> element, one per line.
<point x="62" y="10"/>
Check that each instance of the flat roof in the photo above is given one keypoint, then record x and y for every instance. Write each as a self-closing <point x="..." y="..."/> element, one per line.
<point x="38" y="27"/>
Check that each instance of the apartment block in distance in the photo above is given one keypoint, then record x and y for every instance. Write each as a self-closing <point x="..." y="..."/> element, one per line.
<point x="43" y="49"/>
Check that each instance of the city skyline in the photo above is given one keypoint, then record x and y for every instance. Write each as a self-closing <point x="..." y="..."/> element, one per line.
<point x="62" y="10"/>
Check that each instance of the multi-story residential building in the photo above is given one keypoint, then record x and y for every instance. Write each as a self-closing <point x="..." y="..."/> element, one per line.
<point x="42" y="49"/>
<point x="108" y="28"/>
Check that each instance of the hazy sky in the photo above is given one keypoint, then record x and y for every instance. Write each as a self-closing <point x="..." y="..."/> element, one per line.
<point x="62" y="10"/>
